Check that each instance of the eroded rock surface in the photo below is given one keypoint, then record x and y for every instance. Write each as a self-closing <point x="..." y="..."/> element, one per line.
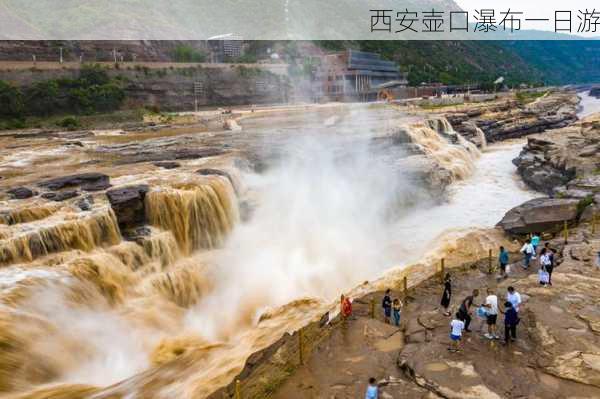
<point x="86" y="181"/>
<point x="507" y="119"/>
<point x="563" y="162"/>
<point x="540" y="214"/>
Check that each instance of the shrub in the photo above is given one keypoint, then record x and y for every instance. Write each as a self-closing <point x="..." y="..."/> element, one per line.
<point x="42" y="98"/>
<point x="11" y="101"/>
<point x="69" y="123"/>
<point x="185" y="53"/>
<point x="93" y="75"/>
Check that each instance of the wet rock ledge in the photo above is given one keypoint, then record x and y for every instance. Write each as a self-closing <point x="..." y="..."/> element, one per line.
<point x="507" y="119"/>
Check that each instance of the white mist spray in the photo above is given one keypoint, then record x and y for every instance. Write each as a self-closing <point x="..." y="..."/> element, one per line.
<point x="321" y="226"/>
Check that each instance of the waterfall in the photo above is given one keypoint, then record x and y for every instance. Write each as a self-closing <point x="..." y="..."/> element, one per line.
<point x="85" y="233"/>
<point x="28" y="214"/>
<point x="198" y="215"/>
<point x="162" y="245"/>
<point x="481" y="138"/>
<point x="447" y="148"/>
<point x="183" y="286"/>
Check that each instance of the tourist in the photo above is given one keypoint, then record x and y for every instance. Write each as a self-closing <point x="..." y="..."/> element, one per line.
<point x="528" y="251"/>
<point x="464" y="311"/>
<point x="396" y="305"/>
<point x="447" y="294"/>
<point x="491" y="305"/>
<point x="535" y="242"/>
<point x="372" y="389"/>
<point x="511" y="319"/>
<point x="456" y="328"/>
<point x="503" y="260"/>
<point x="514" y="298"/>
<point x="346" y="306"/>
<point x="545" y="264"/>
<point x="386" y="304"/>
<point x="552" y="255"/>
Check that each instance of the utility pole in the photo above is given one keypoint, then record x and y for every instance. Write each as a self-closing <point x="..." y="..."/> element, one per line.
<point x="115" y="54"/>
<point x="61" y="55"/>
<point x="198" y="90"/>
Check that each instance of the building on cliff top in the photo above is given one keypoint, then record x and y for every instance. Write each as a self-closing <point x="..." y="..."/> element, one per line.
<point x="355" y="75"/>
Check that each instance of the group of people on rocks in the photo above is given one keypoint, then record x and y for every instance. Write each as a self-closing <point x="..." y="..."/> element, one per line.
<point x="546" y="261"/>
<point x="488" y="310"/>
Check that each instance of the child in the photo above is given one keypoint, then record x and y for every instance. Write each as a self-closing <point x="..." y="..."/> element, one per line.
<point x="457" y="326"/>
<point x="386" y="304"/>
<point x="372" y="389"/>
<point x="396" y="310"/>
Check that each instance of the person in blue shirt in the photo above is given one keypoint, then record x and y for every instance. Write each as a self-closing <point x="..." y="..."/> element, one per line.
<point x="503" y="260"/>
<point x="372" y="389"/>
<point x="535" y="242"/>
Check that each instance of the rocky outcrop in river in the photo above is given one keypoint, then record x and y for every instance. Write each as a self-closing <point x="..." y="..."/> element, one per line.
<point x="510" y="118"/>
<point x="565" y="165"/>
<point x="563" y="162"/>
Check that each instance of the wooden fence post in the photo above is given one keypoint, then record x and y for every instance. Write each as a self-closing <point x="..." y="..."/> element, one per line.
<point x="372" y="309"/>
<point x="442" y="269"/>
<point x="301" y="346"/>
<point x="238" y="394"/>
<point x="566" y="232"/>
<point x="405" y="285"/>
<point x="490" y="261"/>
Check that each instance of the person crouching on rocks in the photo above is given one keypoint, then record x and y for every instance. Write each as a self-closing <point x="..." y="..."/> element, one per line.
<point x="456" y="328"/>
<point x="386" y="304"/>
<point x="464" y="311"/>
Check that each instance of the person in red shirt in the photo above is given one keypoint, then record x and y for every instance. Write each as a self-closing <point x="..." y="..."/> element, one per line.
<point x="346" y="306"/>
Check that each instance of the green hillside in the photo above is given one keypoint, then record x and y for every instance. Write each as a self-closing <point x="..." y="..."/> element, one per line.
<point x="561" y="62"/>
<point x="450" y="62"/>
